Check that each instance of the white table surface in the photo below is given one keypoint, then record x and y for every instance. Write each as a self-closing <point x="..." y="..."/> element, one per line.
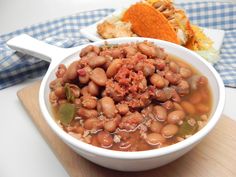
<point x="23" y="151"/>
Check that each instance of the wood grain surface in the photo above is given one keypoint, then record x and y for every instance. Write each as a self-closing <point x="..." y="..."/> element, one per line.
<point x="215" y="156"/>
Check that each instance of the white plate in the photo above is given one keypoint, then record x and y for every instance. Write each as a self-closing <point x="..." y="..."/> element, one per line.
<point x="90" y="32"/>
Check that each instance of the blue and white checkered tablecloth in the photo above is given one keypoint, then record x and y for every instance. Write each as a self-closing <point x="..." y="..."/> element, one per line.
<point x="65" y="32"/>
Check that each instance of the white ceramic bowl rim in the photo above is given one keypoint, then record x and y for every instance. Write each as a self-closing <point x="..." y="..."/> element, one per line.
<point x="138" y="154"/>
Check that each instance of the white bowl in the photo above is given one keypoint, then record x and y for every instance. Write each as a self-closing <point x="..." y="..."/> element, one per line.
<point x="142" y="160"/>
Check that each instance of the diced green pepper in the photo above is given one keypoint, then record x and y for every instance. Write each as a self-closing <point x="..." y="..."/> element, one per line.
<point x="69" y="94"/>
<point x="187" y="129"/>
<point x="66" y="113"/>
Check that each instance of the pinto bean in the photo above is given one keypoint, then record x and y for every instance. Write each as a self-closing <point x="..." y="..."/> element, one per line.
<point x="116" y="53"/>
<point x="96" y="61"/>
<point x="84" y="74"/>
<point x="105" y="139"/>
<point x="195" y="98"/>
<point x="129" y="51"/>
<point x="197" y="81"/>
<point x="147" y="69"/>
<point x="113" y="68"/>
<point x="71" y="72"/>
<point x="172" y="77"/>
<point x="53" y="98"/>
<point x="168" y="105"/>
<point x="143" y="84"/>
<point x="156" y="127"/>
<point x="117" y="119"/>
<point x="84" y="60"/>
<point x="185" y="72"/>
<point x="155" y="139"/>
<point x="75" y="90"/>
<point x="84" y="91"/>
<point x="160" y="95"/>
<point x="169" y="130"/>
<point x="89" y="102"/>
<point x="98" y="76"/>
<point x="138" y="66"/>
<point x="147" y="49"/>
<point x="87" y="113"/>
<point x="92" y="123"/>
<point x="78" y="129"/>
<point x="182" y="64"/>
<point x="202" y="81"/>
<point x="94" y="141"/>
<point x="160" y="64"/>
<point x="188" y="107"/>
<point x="96" y="49"/>
<point x="60" y="92"/>
<point x="90" y="55"/>
<point x="183" y="87"/>
<point x="108" y="107"/>
<point x="175" y="117"/>
<point x="160" y="113"/>
<point x="130" y="121"/>
<point x="86" y="50"/>
<point x="175" y="97"/>
<point x="107" y="64"/>
<point x="93" y="88"/>
<point x="157" y="81"/>
<point x="169" y="92"/>
<point x="166" y="83"/>
<point x="147" y="111"/>
<point x="110" y="126"/>
<point x="113" y="94"/>
<point x="61" y="71"/>
<point x="54" y="84"/>
<point x="205" y="95"/>
<point x="122" y="108"/>
<point x="160" y="53"/>
<point x="202" y="108"/>
<point x="193" y="81"/>
<point x="177" y="106"/>
<point x="174" y="67"/>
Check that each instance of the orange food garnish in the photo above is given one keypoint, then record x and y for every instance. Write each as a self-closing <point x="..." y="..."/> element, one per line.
<point x="148" y="22"/>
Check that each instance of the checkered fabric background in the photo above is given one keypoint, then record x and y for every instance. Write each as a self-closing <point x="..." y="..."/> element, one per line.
<point x="65" y="32"/>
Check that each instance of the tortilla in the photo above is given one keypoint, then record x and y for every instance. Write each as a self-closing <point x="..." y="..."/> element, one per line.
<point x="148" y="22"/>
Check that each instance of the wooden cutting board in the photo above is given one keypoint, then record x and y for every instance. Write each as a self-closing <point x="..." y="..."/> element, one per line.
<point x="215" y="156"/>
